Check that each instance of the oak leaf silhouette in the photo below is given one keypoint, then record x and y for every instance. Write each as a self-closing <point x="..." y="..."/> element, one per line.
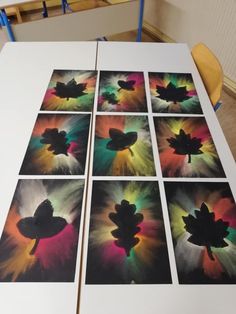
<point x="172" y="93"/>
<point x="111" y="98"/>
<point x="41" y="225"/>
<point x="127" y="222"/>
<point x="120" y="140"/>
<point x="183" y="144"/>
<point x="70" y="89"/>
<point x="126" y="85"/>
<point x="205" y="230"/>
<point x="56" y="140"/>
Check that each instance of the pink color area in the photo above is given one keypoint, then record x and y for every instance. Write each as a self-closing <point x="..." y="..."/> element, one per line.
<point x="112" y="253"/>
<point x="49" y="94"/>
<point x="74" y="148"/>
<point x="149" y="228"/>
<point x="58" y="249"/>
<point x="192" y="93"/>
<point x="138" y="77"/>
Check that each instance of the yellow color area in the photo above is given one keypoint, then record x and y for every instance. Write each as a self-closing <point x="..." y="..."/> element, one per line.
<point x="44" y="159"/>
<point x="19" y="261"/>
<point x="146" y="248"/>
<point x="132" y="192"/>
<point x="210" y="70"/>
<point x="177" y="223"/>
<point x="141" y="163"/>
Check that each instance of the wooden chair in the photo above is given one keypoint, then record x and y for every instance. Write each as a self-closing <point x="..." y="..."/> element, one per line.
<point x="211" y="72"/>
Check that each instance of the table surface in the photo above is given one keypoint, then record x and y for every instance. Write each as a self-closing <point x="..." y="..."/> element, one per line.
<point x="25" y="71"/>
<point x="11" y="3"/>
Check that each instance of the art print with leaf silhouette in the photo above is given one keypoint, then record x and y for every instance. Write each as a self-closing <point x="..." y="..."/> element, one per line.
<point x="122" y="91"/>
<point x="174" y="93"/>
<point x="40" y="238"/>
<point x="58" y="145"/>
<point x="186" y="148"/>
<point x="123" y="146"/>
<point x="70" y="90"/>
<point x="203" y="225"/>
<point x="127" y="242"/>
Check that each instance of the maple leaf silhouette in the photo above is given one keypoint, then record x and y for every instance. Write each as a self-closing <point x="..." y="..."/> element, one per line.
<point x="127" y="222"/>
<point x="70" y="89"/>
<point x="111" y="98"/>
<point x="56" y="140"/>
<point x="172" y="93"/>
<point x="205" y="230"/>
<point x="126" y="85"/>
<point x="185" y="145"/>
<point x="120" y="140"/>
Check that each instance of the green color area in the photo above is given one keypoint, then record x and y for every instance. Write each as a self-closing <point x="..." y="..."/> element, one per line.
<point x="103" y="157"/>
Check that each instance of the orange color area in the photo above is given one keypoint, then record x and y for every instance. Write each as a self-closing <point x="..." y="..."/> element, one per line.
<point x="47" y="121"/>
<point x="44" y="159"/>
<point x="19" y="260"/>
<point x="104" y="123"/>
<point x="212" y="269"/>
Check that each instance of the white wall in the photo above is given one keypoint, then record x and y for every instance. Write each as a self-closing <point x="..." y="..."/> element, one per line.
<point x="210" y="21"/>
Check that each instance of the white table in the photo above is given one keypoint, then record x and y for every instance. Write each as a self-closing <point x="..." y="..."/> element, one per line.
<point x="27" y="68"/>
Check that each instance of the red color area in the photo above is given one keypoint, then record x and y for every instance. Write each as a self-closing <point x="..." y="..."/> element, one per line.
<point x="49" y="94"/>
<point x="137" y="77"/>
<point x="192" y="93"/>
<point x="149" y="228"/>
<point x="212" y="269"/>
<point x="105" y="123"/>
<point x="171" y="161"/>
<point x="58" y="249"/>
<point x="225" y="209"/>
<point x="156" y="81"/>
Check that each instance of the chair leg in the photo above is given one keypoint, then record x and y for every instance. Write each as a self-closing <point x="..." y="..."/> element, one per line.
<point x="18" y="15"/>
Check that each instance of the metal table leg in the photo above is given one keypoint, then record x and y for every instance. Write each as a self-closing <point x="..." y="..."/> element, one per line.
<point x="65" y="6"/>
<point x="45" y="10"/>
<point x="140" y="22"/>
<point x="5" y="22"/>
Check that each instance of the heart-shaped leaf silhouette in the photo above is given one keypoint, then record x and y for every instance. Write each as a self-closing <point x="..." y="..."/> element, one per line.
<point x="42" y="225"/>
<point x="205" y="230"/>
<point x="56" y="140"/>
<point x="126" y="85"/>
<point x="185" y="145"/>
<point x="70" y="89"/>
<point x="120" y="140"/>
<point x="127" y="221"/>
<point x="172" y="93"/>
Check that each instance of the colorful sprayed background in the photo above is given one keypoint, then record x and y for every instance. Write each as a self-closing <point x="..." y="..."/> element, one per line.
<point x="39" y="160"/>
<point x="129" y="101"/>
<point x="148" y="262"/>
<point x="191" y="105"/>
<point x="52" y="102"/>
<point x="122" y="163"/>
<point x="173" y="165"/>
<point x="55" y="258"/>
<point x="193" y="263"/>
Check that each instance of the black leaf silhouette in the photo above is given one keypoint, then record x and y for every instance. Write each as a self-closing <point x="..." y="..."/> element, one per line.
<point x="205" y="230"/>
<point x="41" y="225"/>
<point x="111" y="98"/>
<point x="56" y="140"/>
<point x="120" y="141"/>
<point x="185" y="145"/>
<point x="126" y="85"/>
<point x="127" y="222"/>
<point x="172" y="93"/>
<point x="70" y="89"/>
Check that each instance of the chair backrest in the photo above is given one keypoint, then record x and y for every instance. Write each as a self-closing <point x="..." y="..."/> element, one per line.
<point x="210" y="70"/>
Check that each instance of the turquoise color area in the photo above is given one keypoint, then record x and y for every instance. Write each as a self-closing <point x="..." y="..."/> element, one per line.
<point x="35" y="143"/>
<point x="103" y="157"/>
<point x="232" y="235"/>
<point x="78" y="126"/>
